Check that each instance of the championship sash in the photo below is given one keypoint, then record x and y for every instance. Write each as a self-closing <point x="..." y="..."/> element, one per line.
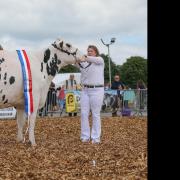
<point x="27" y="81"/>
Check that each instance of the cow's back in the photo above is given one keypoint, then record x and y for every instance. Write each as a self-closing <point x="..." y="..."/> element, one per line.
<point x="11" y="83"/>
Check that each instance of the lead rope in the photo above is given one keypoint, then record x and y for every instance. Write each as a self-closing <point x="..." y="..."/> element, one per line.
<point x="24" y="139"/>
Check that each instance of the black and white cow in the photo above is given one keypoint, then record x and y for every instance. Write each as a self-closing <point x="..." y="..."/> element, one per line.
<point x="44" y="66"/>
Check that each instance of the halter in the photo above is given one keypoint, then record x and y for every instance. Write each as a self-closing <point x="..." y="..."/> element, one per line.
<point x="67" y="52"/>
<point x="86" y="66"/>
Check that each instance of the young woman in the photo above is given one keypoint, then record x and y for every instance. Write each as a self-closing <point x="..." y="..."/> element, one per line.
<point x="92" y="80"/>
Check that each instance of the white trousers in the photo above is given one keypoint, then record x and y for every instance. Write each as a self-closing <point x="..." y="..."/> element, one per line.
<point x="91" y="98"/>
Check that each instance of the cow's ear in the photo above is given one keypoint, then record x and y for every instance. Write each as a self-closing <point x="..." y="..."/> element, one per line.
<point x="54" y="45"/>
<point x="61" y="44"/>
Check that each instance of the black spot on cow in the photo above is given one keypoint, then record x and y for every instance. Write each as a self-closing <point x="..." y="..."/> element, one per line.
<point x="2" y="60"/>
<point x="6" y="101"/>
<point x="44" y="77"/>
<point x="5" y="76"/>
<point x="42" y="67"/>
<point x="1" y="91"/>
<point x="0" y="68"/>
<point x="11" y="79"/>
<point x="58" y="61"/>
<point x="47" y="54"/>
<point x="3" y="97"/>
<point x="5" y="82"/>
<point x="52" y="67"/>
<point x="0" y="76"/>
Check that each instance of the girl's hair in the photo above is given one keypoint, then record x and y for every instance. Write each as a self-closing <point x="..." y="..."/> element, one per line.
<point x="94" y="48"/>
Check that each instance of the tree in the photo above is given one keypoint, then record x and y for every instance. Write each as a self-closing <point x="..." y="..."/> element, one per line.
<point x="114" y="69"/>
<point x="69" y="69"/>
<point x="134" y="69"/>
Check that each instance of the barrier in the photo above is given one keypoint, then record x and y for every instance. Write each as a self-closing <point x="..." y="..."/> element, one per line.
<point x="130" y="102"/>
<point x="8" y="113"/>
<point x="125" y="102"/>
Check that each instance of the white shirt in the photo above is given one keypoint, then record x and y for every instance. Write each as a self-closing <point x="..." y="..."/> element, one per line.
<point x="92" y="71"/>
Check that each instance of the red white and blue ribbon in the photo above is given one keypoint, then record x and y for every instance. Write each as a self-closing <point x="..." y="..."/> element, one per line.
<point x="27" y="81"/>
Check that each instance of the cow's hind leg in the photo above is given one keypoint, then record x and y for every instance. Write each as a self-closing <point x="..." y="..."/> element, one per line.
<point x="21" y="119"/>
<point x="32" y="122"/>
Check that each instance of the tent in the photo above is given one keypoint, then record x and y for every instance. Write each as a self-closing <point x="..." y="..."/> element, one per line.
<point x="60" y="78"/>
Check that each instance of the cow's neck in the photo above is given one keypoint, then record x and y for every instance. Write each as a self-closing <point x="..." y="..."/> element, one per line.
<point x="51" y="63"/>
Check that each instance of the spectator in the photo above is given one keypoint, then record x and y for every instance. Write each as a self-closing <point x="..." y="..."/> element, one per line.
<point x="71" y="84"/>
<point x="141" y="87"/>
<point x="52" y="97"/>
<point x="140" y="84"/>
<point x="106" y="86"/>
<point x="50" y="100"/>
<point x="61" y="98"/>
<point x="119" y="86"/>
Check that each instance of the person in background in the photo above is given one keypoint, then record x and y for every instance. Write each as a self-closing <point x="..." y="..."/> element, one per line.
<point x="140" y="84"/>
<point x="71" y="84"/>
<point x="92" y="94"/>
<point x="52" y="97"/>
<point x="50" y="103"/>
<point x="141" y="89"/>
<point x="117" y="85"/>
<point x="61" y="98"/>
<point x="107" y="86"/>
<point x="126" y="88"/>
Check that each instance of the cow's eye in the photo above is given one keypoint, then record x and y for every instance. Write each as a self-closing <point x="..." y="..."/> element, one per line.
<point x="68" y="45"/>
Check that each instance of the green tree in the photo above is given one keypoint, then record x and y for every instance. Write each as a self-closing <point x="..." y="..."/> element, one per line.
<point x="132" y="70"/>
<point x="69" y="69"/>
<point x="114" y="69"/>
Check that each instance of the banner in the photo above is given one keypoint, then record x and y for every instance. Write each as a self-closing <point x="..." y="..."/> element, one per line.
<point x="8" y="113"/>
<point x="70" y="102"/>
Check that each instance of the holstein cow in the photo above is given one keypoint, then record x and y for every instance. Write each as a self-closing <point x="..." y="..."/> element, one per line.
<point x="44" y="66"/>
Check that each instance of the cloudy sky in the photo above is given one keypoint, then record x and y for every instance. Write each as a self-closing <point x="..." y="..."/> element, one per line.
<point x="34" y="24"/>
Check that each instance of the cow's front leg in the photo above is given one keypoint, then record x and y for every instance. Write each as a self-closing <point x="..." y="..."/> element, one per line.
<point x="21" y="119"/>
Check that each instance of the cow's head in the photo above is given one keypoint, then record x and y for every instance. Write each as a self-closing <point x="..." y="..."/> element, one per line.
<point x="67" y="53"/>
<point x="58" y="55"/>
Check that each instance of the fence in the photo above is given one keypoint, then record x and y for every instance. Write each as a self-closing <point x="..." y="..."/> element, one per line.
<point x="125" y="102"/>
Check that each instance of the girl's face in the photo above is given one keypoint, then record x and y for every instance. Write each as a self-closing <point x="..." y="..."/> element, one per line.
<point x="91" y="52"/>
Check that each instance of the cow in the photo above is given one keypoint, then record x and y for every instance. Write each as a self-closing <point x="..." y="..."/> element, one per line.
<point x="45" y="64"/>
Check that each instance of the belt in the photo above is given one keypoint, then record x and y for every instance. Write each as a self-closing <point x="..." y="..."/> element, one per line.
<point x="93" y="86"/>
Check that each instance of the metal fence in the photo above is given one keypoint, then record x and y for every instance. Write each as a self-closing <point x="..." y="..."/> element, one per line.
<point x="131" y="102"/>
<point x="126" y="102"/>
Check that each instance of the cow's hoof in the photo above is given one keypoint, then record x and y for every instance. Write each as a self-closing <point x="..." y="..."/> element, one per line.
<point x="19" y="140"/>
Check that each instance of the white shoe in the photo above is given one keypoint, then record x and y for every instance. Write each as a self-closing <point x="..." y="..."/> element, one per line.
<point x="84" y="140"/>
<point x="95" y="141"/>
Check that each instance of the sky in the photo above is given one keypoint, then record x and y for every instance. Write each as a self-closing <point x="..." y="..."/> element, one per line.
<point x="35" y="24"/>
